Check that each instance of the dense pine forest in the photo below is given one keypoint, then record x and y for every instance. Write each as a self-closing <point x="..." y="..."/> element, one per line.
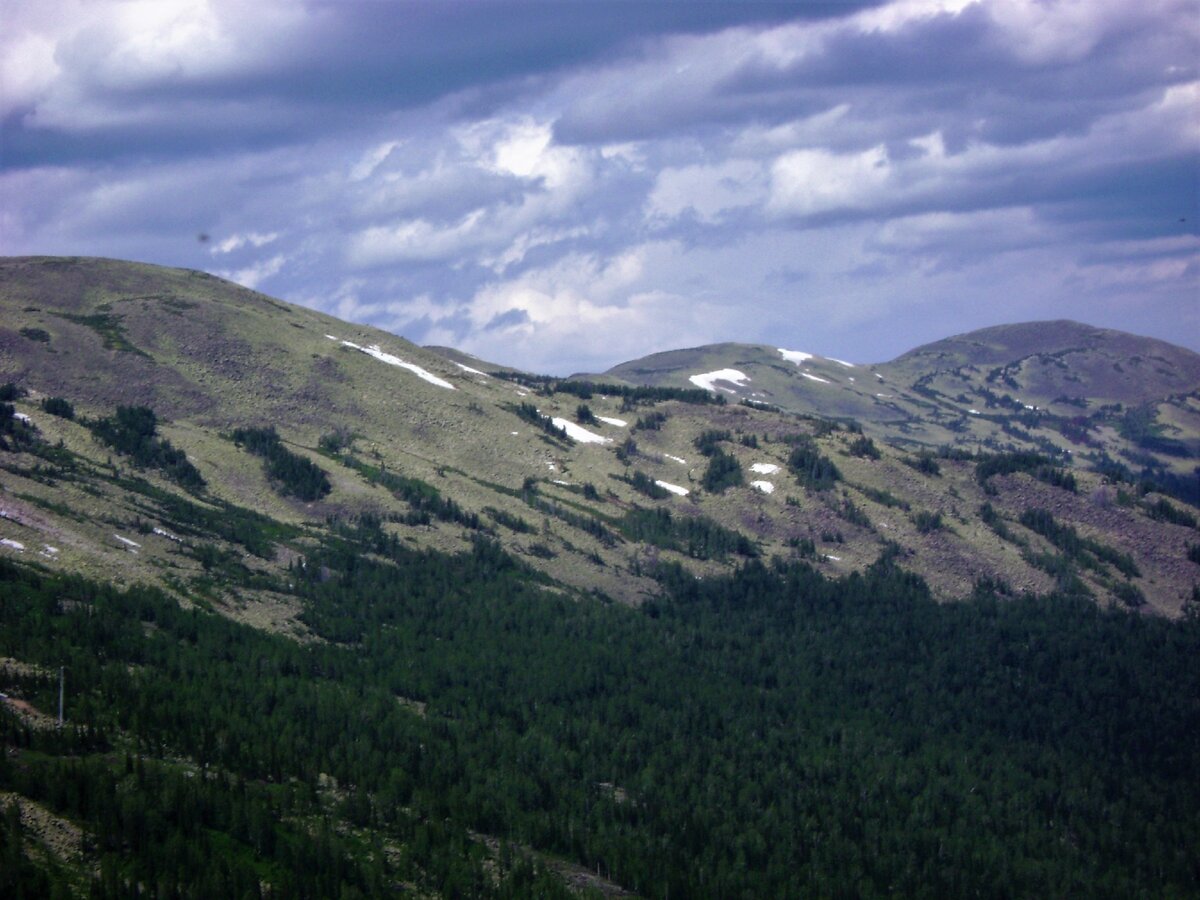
<point x="768" y="733"/>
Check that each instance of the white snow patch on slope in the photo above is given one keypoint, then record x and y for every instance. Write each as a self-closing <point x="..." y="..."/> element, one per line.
<point x="162" y="532"/>
<point x="973" y="412"/>
<point x="48" y="551"/>
<point x="21" y="417"/>
<point x="127" y="541"/>
<point x="841" y="362"/>
<point x="765" y="486"/>
<point x="832" y="557"/>
<point x="677" y="459"/>
<point x="391" y="360"/>
<point x="673" y="488"/>
<point x="620" y="423"/>
<point x="764" y="468"/>
<point x="16" y="545"/>
<point x="575" y="432"/>
<point x="560" y="481"/>
<point x="812" y="377"/>
<point x="733" y="376"/>
<point x="472" y="371"/>
<point x="795" y="356"/>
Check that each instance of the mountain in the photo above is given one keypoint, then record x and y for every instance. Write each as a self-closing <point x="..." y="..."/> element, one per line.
<point x="580" y="592"/>
<point x="1056" y="387"/>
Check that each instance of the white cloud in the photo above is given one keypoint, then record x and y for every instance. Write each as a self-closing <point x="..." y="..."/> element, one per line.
<point x="253" y="275"/>
<point x="707" y="190"/>
<point x="810" y="181"/>
<point x="250" y="239"/>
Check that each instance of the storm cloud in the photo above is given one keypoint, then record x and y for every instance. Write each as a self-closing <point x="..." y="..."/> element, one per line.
<point x="561" y="186"/>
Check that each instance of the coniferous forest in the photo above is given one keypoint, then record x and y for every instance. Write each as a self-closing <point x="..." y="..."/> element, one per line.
<point x="771" y="733"/>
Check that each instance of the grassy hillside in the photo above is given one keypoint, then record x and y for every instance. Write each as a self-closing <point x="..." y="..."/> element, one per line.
<point x="445" y="458"/>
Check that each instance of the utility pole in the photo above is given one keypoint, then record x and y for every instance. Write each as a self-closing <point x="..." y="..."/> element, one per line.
<point x="61" y="681"/>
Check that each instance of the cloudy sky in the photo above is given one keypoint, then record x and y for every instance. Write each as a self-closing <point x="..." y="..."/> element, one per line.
<point x="565" y="185"/>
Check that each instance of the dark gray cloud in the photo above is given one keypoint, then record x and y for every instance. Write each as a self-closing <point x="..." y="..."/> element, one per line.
<point x="562" y="185"/>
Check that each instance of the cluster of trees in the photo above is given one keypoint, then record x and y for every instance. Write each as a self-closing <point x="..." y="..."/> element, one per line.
<point x="697" y="536"/>
<point x="529" y="412"/>
<point x="812" y="468"/>
<point x="644" y="484"/>
<point x="1089" y="553"/>
<point x="133" y="432"/>
<point x="292" y="474"/>
<point x="1041" y="467"/>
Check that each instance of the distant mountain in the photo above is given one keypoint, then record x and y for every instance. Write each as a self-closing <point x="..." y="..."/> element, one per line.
<point x="344" y="616"/>
<point x="1049" y="386"/>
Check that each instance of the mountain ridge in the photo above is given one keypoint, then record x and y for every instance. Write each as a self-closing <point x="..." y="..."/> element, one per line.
<point x="391" y="422"/>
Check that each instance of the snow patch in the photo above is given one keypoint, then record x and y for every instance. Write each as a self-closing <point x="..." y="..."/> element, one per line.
<point x="764" y="468"/>
<point x="673" y="488"/>
<point x="16" y="545"/>
<point x="765" y="486"/>
<point x="560" y="481"/>
<point x="620" y="423"/>
<point x="973" y="412"/>
<point x="794" y="356"/>
<point x="515" y="433"/>
<point x="832" y="557"/>
<point x="706" y="380"/>
<point x="682" y="462"/>
<point x="21" y="417"/>
<point x="577" y="433"/>
<point x="161" y="532"/>
<point x="391" y="360"/>
<point x="127" y="541"/>
<point x="877" y="375"/>
<point x="48" y="551"/>
<point x="472" y="371"/>
<point x="812" y="377"/>
<point x="841" y="362"/>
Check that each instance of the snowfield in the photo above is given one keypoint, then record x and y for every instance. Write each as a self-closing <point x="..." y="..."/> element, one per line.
<point x="680" y="460"/>
<point x="841" y="362"/>
<point x="391" y="360"/>
<point x="794" y="356"/>
<point x="126" y="541"/>
<point x="576" y="433"/>
<point x="15" y="545"/>
<point x="764" y="468"/>
<point x="765" y="486"/>
<point x="472" y="371"/>
<point x="812" y="377"/>
<point x="620" y="423"/>
<point x="706" y="380"/>
<point x="673" y="488"/>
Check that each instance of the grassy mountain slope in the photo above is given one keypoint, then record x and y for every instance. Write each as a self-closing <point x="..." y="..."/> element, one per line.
<point x="209" y="357"/>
